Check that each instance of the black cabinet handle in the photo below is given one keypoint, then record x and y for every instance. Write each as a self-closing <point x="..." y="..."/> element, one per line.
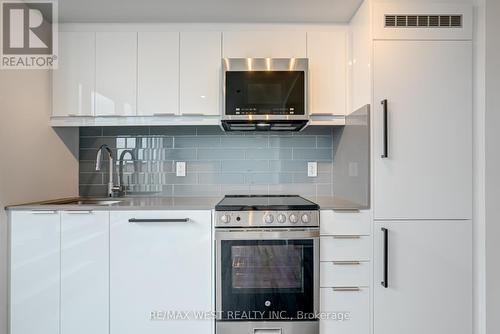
<point x="385" y="282"/>
<point x="386" y="143"/>
<point x="177" y="220"/>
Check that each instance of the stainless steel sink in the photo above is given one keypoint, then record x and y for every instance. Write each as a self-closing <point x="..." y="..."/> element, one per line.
<point x="99" y="202"/>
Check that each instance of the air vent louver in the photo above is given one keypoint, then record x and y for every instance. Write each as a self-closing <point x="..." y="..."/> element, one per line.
<point x="390" y="21"/>
<point x="401" y="21"/>
<point x="456" y="21"/>
<point x="423" y="21"/>
<point x="412" y="21"/>
<point x="433" y="21"/>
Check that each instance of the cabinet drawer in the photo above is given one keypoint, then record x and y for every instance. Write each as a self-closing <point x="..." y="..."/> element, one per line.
<point x="342" y="274"/>
<point x="337" y="248"/>
<point x="355" y="303"/>
<point x="345" y="222"/>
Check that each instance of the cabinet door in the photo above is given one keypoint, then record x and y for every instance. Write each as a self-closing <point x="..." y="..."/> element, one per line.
<point x="345" y="223"/>
<point x="158" y="73"/>
<point x="327" y="53"/>
<point x="200" y="73"/>
<point x="264" y="44"/>
<point x="160" y="266"/>
<point x="429" y="278"/>
<point x="428" y="170"/>
<point x="116" y="74"/>
<point x="85" y="272"/>
<point x="34" y="272"/>
<point x="74" y="79"/>
<point x="351" y="306"/>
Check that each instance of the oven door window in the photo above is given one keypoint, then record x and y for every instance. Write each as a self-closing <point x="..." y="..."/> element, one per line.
<point x="265" y="93"/>
<point x="266" y="279"/>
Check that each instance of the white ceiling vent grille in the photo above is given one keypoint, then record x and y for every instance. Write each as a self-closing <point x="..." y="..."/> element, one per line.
<point x="423" y="21"/>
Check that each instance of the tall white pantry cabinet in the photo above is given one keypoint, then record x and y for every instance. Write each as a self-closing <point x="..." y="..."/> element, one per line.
<point x="422" y="169"/>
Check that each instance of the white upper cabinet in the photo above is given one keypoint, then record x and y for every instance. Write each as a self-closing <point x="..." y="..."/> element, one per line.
<point x="74" y="79"/>
<point x="126" y="73"/>
<point x="200" y="73"/>
<point x="427" y="173"/>
<point x="264" y="44"/>
<point x="158" y="73"/>
<point x="85" y="272"/>
<point x="116" y="74"/>
<point x="34" y="272"/>
<point x="327" y="53"/>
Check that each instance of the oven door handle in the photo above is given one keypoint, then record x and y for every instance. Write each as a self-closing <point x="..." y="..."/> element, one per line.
<point x="268" y="234"/>
<point x="267" y="331"/>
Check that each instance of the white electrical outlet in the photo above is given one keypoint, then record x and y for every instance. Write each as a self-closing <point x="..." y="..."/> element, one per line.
<point x="312" y="169"/>
<point x="180" y="168"/>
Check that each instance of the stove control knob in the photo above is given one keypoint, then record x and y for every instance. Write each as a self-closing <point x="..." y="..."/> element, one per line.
<point x="281" y="218"/>
<point x="269" y="218"/>
<point x="293" y="218"/>
<point x="305" y="218"/>
<point x="226" y="219"/>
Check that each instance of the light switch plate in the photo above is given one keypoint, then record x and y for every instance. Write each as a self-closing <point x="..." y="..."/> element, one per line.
<point x="312" y="169"/>
<point x="180" y="168"/>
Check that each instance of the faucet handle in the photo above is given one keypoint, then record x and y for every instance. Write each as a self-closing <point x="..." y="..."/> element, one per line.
<point x="117" y="191"/>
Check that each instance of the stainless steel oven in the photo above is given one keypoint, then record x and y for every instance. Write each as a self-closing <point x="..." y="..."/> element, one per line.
<point x="267" y="271"/>
<point x="265" y="94"/>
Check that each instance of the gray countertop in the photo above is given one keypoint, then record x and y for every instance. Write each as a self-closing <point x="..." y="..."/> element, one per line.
<point x="128" y="203"/>
<point x="164" y="203"/>
<point x="334" y="203"/>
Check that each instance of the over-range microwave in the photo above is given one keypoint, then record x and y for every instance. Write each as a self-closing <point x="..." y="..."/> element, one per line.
<point x="264" y="94"/>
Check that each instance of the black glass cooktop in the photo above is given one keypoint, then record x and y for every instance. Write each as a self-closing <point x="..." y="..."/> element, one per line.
<point x="264" y="202"/>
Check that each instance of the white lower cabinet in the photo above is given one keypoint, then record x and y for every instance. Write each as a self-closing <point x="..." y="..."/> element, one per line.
<point x="159" y="263"/>
<point x="348" y="309"/>
<point x="429" y="277"/>
<point x="84" y="272"/>
<point x="345" y="248"/>
<point x="80" y="272"/>
<point x="34" y="272"/>
<point x="345" y="255"/>
<point x="344" y="273"/>
<point x="345" y="223"/>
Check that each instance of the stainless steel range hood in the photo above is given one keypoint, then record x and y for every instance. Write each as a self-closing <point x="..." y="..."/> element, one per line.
<point x="264" y="125"/>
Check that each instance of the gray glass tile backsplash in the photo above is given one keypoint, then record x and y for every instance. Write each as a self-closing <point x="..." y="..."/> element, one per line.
<point x="217" y="163"/>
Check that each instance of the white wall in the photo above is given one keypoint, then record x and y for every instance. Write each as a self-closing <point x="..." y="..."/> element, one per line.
<point x="492" y="181"/>
<point x="423" y="1"/>
<point x="35" y="164"/>
<point x="360" y="62"/>
<point x="479" y="162"/>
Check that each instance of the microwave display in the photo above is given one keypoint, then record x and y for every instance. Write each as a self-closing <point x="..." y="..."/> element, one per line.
<point x="265" y="93"/>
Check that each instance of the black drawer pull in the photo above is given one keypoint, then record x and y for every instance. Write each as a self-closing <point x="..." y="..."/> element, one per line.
<point x="385" y="153"/>
<point x="176" y="220"/>
<point x="385" y="282"/>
